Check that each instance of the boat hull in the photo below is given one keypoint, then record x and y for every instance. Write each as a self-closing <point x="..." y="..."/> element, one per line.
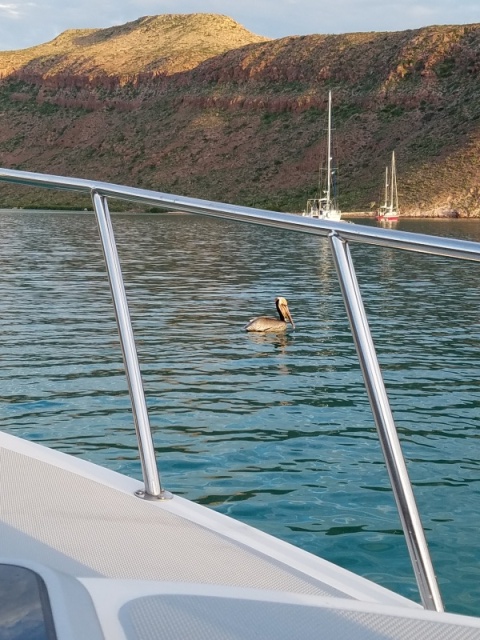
<point x="381" y="218"/>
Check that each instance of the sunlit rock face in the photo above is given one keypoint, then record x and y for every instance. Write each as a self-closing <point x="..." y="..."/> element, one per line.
<point x="196" y="104"/>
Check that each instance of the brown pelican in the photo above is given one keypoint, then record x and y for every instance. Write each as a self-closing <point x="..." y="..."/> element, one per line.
<point x="274" y="325"/>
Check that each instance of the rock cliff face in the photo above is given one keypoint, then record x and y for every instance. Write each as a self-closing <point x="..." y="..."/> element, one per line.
<point x="195" y="104"/>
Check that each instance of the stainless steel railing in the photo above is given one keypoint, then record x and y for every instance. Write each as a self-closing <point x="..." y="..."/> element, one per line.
<point x="339" y="234"/>
<point x="148" y="461"/>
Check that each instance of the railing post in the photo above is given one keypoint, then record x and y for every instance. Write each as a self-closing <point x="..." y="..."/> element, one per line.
<point x="135" y="386"/>
<point x="395" y="462"/>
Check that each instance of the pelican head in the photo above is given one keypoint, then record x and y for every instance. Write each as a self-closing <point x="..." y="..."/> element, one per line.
<point x="283" y="310"/>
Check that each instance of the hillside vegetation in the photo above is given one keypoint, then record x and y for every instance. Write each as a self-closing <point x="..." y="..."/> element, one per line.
<point x="197" y="105"/>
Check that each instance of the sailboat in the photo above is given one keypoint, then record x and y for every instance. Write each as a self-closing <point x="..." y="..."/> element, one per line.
<point x="389" y="212"/>
<point x="325" y="206"/>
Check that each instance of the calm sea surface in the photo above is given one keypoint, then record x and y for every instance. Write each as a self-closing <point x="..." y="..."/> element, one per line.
<point x="274" y="431"/>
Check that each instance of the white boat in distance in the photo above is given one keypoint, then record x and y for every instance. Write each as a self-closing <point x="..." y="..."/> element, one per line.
<point x="389" y="211"/>
<point x="325" y="206"/>
<point x="90" y="553"/>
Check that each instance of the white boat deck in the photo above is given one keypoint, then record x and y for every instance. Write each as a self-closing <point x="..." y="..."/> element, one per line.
<point x="177" y="566"/>
<point x="85" y="521"/>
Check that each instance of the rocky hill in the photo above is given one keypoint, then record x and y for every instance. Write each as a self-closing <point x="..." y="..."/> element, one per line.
<point x="197" y="105"/>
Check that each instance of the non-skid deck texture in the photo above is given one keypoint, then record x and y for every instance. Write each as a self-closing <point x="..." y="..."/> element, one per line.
<point x="190" y="617"/>
<point x="81" y="527"/>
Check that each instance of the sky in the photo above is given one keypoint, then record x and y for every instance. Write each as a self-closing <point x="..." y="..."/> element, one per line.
<point x="25" y="23"/>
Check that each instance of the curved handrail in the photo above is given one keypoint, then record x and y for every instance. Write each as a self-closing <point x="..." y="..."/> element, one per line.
<point x="421" y="243"/>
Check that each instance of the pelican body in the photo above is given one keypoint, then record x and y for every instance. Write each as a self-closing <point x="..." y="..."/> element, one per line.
<point x="270" y="324"/>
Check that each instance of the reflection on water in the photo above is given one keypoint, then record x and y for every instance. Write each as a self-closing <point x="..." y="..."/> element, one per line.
<point x="274" y="430"/>
<point x="279" y="342"/>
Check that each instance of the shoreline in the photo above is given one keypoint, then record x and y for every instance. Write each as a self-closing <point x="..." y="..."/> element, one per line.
<point x="346" y="215"/>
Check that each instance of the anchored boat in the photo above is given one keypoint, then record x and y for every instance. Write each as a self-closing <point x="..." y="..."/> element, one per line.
<point x="325" y="205"/>
<point x="389" y="211"/>
<point x="90" y="553"/>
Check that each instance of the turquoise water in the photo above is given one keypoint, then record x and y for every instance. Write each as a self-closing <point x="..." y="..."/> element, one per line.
<point x="274" y="431"/>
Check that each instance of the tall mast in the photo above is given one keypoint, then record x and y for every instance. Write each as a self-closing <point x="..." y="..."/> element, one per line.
<point x="329" y="149"/>
<point x="386" y="187"/>
<point x="393" y="188"/>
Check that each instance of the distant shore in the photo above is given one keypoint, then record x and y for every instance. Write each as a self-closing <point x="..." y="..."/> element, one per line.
<point x="346" y="215"/>
<point x="410" y="216"/>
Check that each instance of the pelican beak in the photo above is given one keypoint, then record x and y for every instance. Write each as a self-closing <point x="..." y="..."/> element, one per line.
<point x="287" y="315"/>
